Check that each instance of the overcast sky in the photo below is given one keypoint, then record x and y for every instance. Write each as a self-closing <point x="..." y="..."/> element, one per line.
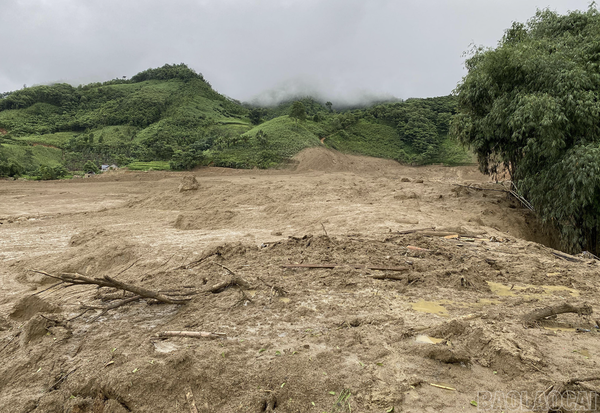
<point x="246" y="48"/>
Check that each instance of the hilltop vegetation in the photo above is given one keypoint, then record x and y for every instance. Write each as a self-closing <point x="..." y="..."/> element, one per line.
<point x="172" y="115"/>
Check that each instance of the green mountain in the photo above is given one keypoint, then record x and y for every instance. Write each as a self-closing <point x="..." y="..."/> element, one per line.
<point x="171" y="117"/>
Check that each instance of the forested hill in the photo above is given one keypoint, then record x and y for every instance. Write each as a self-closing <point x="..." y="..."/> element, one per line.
<point x="170" y="117"/>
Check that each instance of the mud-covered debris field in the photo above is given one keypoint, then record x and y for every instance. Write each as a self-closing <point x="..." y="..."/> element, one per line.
<point x="341" y="284"/>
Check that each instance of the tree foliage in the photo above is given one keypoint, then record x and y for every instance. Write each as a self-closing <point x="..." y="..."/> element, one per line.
<point x="533" y="104"/>
<point x="298" y="111"/>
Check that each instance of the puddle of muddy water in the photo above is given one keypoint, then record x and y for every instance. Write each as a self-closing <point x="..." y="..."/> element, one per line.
<point x="430" y="307"/>
<point x="584" y="353"/>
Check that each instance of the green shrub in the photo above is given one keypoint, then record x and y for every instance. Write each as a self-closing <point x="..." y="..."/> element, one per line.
<point x="90" y="167"/>
<point x="45" y="172"/>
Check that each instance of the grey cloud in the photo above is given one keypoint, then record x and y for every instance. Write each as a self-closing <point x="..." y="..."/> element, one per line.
<point x="251" y="48"/>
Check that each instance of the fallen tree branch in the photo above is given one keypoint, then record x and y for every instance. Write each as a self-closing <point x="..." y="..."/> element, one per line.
<point x="412" y="231"/>
<point x="53" y="387"/>
<point x="106" y="281"/>
<point x="413" y="248"/>
<point x="10" y="341"/>
<point x="199" y="261"/>
<point x="388" y="277"/>
<point x="355" y="266"/>
<point x="565" y="257"/>
<point x="106" y="308"/>
<point x="482" y="189"/>
<point x="190" y="334"/>
<point x="533" y="317"/>
<point x="559" y="388"/>
<point x="234" y="280"/>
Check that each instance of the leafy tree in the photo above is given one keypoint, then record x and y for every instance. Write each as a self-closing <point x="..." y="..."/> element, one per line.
<point x="46" y="172"/>
<point x="532" y="105"/>
<point x="420" y="132"/>
<point x="256" y="115"/>
<point x="262" y="139"/>
<point x="90" y="167"/>
<point x="329" y="106"/>
<point x="10" y="168"/>
<point x="191" y="157"/>
<point x="298" y="111"/>
<point x="180" y="71"/>
<point x="185" y="160"/>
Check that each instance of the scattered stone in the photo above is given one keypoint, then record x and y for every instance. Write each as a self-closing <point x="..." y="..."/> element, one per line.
<point x="188" y="183"/>
<point x="419" y="181"/>
<point x="405" y="180"/>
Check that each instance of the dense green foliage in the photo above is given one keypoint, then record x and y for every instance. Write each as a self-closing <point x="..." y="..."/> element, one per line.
<point x="298" y="111"/>
<point x="171" y="118"/>
<point x="533" y="104"/>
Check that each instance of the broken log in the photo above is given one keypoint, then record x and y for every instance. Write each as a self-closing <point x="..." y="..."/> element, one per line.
<point x="355" y="266"/>
<point x="566" y="257"/>
<point x="533" y="317"/>
<point x="191" y="334"/>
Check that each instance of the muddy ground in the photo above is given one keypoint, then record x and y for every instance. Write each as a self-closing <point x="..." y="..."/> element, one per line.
<point x="442" y="335"/>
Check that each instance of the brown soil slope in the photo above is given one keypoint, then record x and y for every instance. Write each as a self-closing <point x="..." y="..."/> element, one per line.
<point x="442" y="335"/>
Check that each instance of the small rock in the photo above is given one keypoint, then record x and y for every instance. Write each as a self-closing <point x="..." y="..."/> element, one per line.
<point x="418" y="181"/>
<point x="405" y="180"/>
<point x="188" y="183"/>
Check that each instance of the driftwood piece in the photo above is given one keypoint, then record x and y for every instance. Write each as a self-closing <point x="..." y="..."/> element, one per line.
<point x="412" y="231"/>
<point x="566" y="257"/>
<point x="413" y="248"/>
<point x="531" y="318"/>
<point x="358" y="267"/>
<point x="191" y="334"/>
<point x="560" y="388"/>
<point x="234" y="280"/>
<point x="191" y="401"/>
<point x="385" y="276"/>
<point x="106" y="281"/>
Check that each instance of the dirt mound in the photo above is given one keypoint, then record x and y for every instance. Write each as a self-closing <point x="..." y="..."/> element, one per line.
<point x="212" y="219"/>
<point x="86" y="236"/>
<point x="329" y="160"/>
<point x="29" y="306"/>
